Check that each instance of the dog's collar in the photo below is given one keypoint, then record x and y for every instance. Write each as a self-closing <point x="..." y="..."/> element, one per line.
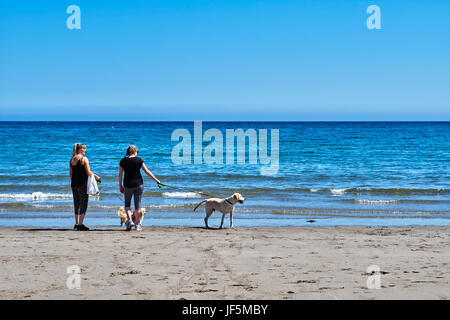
<point x="228" y="201"/>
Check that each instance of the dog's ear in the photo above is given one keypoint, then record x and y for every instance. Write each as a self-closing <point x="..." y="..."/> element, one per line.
<point x="236" y="196"/>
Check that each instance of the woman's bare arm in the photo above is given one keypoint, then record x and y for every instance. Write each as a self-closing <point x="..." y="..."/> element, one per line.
<point x="149" y="173"/>
<point x="88" y="169"/>
<point x="70" y="171"/>
<point x="120" y="179"/>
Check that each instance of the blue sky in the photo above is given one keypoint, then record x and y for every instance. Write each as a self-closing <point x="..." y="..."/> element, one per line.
<point x="224" y="60"/>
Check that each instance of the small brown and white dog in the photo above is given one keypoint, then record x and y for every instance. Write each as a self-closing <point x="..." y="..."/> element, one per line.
<point x="223" y="205"/>
<point x="123" y="217"/>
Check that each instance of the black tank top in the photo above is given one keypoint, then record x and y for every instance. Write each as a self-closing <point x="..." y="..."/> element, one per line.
<point x="79" y="175"/>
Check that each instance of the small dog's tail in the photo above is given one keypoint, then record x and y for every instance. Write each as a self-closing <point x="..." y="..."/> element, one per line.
<point x="199" y="204"/>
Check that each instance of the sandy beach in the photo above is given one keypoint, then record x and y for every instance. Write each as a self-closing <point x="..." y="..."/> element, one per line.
<point x="245" y="263"/>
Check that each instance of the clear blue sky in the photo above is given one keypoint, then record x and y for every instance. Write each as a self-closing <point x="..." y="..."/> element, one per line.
<point x="224" y="60"/>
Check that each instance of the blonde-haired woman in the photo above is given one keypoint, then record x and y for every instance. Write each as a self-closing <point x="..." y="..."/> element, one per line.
<point x="131" y="165"/>
<point x="79" y="172"/>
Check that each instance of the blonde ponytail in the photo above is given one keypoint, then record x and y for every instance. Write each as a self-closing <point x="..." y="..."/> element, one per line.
<point x="76" y="148"/>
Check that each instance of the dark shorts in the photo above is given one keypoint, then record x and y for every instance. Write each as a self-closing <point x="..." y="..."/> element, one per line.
<point x="137" y="193"/>
<point x="80" y="199"/>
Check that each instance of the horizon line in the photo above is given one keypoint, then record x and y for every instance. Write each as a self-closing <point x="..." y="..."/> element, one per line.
<point x="224" y="120"/>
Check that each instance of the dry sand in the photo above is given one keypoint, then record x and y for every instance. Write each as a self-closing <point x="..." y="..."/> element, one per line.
<point x="246" y="263"/>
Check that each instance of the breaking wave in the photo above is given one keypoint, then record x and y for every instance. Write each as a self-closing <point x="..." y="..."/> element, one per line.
<point x="185" y="195"/>
<point x="35" y="196"/>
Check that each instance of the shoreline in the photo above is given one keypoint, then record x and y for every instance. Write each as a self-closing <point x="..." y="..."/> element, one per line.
<point x="248" y="223"/>
<point x="241" y="219"/>
<point x="244" y="263"/>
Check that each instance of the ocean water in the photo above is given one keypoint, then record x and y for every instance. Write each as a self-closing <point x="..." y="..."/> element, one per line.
<point x="330" y="173"/>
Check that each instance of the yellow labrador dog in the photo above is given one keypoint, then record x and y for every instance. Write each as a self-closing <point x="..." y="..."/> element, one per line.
<point x="223" y="205"/>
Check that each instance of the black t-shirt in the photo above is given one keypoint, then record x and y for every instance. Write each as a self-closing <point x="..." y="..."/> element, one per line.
<point x="132" y="169"/>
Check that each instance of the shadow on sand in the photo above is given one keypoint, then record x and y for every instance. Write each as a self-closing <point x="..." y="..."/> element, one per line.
<point x="68" y="229"/>
<point x="210" y="228"/>
<point x="118" y="229"/>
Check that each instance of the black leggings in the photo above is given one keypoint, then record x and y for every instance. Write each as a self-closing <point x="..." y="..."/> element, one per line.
<point x="137" y="193"/>
<point x="80" y="199"/>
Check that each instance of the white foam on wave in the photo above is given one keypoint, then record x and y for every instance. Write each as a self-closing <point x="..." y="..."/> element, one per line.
<point x="157" y="206"/>
<point x="45" y="206"/>
<point x="365" y="201"/>
<point x="35" y="196"/>
<point x="337" y="191"/>
<point x="181" y="194"/>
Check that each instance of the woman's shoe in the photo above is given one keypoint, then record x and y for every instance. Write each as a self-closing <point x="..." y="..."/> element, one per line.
<point x="82" y="228"/>
<point x="75" y="227"/>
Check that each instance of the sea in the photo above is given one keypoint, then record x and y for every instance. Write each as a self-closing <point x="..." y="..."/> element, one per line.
<point x="328" y="173"/>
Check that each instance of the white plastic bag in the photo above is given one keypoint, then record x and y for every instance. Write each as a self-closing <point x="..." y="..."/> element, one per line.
<point x="92" y="188"/>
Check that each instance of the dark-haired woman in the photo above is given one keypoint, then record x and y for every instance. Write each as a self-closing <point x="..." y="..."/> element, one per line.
<point x="133" y="185"/>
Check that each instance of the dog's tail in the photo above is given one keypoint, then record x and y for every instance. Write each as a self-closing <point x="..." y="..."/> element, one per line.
<point x="199" y="204"/>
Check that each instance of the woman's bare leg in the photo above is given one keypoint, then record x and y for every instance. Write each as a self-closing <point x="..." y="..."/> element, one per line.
<point x="137" y="214"/>
<point x="81" y="219"/>
<point x="129" y="215"/>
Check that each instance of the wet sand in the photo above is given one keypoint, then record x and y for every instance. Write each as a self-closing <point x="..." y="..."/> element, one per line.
<point x="245" y="263"/>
